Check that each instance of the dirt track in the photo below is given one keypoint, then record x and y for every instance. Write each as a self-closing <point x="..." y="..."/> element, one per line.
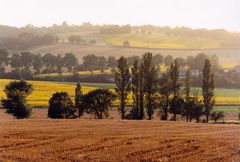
<point x="115" y="140"/>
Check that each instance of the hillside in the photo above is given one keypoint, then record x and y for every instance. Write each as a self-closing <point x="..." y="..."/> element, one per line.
<point x="158" y="40"/>
<point x="226" y="56"/>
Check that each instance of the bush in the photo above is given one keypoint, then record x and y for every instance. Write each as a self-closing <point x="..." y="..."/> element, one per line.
<point x="217" y="115"/>
<point x="61" y="106"/>
<point x="15" y="103"/>
<point x="97" y="102"/>
<point x="126" y="43"/>
<point x="192" y="109"/>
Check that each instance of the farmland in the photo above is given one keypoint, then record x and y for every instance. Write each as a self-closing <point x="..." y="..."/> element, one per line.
<point x="115" y="140"/>
<point x="162" y="41"/>
<point x="43" y="90"/>
<point x="228" y="57"/>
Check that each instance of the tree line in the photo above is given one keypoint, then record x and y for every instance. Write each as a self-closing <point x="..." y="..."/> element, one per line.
<point x="25" y="65"/>
<point x="27" y="40"/>
<point x="150" y="92"/>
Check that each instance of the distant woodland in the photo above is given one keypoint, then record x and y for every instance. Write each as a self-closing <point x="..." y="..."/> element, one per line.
<point x="29" y="36"/>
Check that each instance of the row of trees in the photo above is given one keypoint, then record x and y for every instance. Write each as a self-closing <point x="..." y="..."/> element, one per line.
<point x="27" y="40"/>
<point x="96" y="102"/>
<point x="76" y="39"/>
<point x="25" y="62"/>
<point x="151" y="91"/>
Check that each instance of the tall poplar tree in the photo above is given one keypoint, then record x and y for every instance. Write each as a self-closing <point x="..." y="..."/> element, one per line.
<point x="208" y="89"/>
<point x="78" y="99"/>
<point x="150" y="80"/>
<point x="122" y="81"/>
<point x="141" y="93"/>
<point x="187" y="84"/>
<point x="176" y="102"/>
<point x="135" y="89"/>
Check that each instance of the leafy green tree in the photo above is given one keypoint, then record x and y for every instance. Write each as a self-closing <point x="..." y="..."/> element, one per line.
<point x="70" y="61"/>
<point x="176" y="106"/>
<point x="198" y="61"/>
<point x="98" y="101"/>
<point x="16" y="103"/>
<point x="208" y="89"/>
<point x="16" y="64"/>
<point x="37" y="63"/>
<point x="49" y="62"/>
<point x="79" y="99"/>
<point x="27" y="60"/>
<point x="112" y="62"/>
<point x="180" y="61"/>
<point x="61" y="106"/>
<point x="150" y="75"/>
<point x="89" y="62"/>
<point x="131" y="60"/>
<point x="122" y="81"/>
<point x="192" y="109"/>
<point x="157" y="59"/>
<point x="135" y="90"/>
<point x="59" y="64"/>
<point x="168" y="60"/>
<point x="198" y="110"/>
<point x="188" y="109"/>
<point x="4" y="58"/>
<point x="102" y="63"/>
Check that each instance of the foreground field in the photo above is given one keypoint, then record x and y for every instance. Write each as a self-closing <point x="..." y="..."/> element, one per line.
<point x="39" y="139"/>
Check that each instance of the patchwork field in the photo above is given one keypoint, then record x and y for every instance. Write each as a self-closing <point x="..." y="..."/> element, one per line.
<point x="41" y="139"/>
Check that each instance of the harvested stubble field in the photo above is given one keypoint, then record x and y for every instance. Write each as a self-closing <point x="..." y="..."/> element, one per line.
<point x="41" y="139"/>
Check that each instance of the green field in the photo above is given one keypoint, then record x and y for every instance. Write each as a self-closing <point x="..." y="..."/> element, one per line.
<point x="228" y="110"/>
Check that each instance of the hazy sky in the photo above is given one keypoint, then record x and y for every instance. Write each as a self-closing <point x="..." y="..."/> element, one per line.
<point x="192" y="13"/>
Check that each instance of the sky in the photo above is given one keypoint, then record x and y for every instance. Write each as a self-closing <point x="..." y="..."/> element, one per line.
<point x="211" y="14"/>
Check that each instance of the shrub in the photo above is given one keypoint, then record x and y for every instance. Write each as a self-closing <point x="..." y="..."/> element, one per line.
<point x="16" y="104"/>
<point x="217" y="115"/>
<point x="126" y="43"/>
<point x="61" y="106"/>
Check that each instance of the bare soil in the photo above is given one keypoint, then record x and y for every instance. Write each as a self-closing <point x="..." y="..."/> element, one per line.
<point x="42" y="139"/>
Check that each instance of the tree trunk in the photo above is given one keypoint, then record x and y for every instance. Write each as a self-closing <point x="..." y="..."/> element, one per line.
<point x="207" y="117"/>
<point x="141" y="111"/>
<point x="174" y="117"/>
<point x="122" y="112"/>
